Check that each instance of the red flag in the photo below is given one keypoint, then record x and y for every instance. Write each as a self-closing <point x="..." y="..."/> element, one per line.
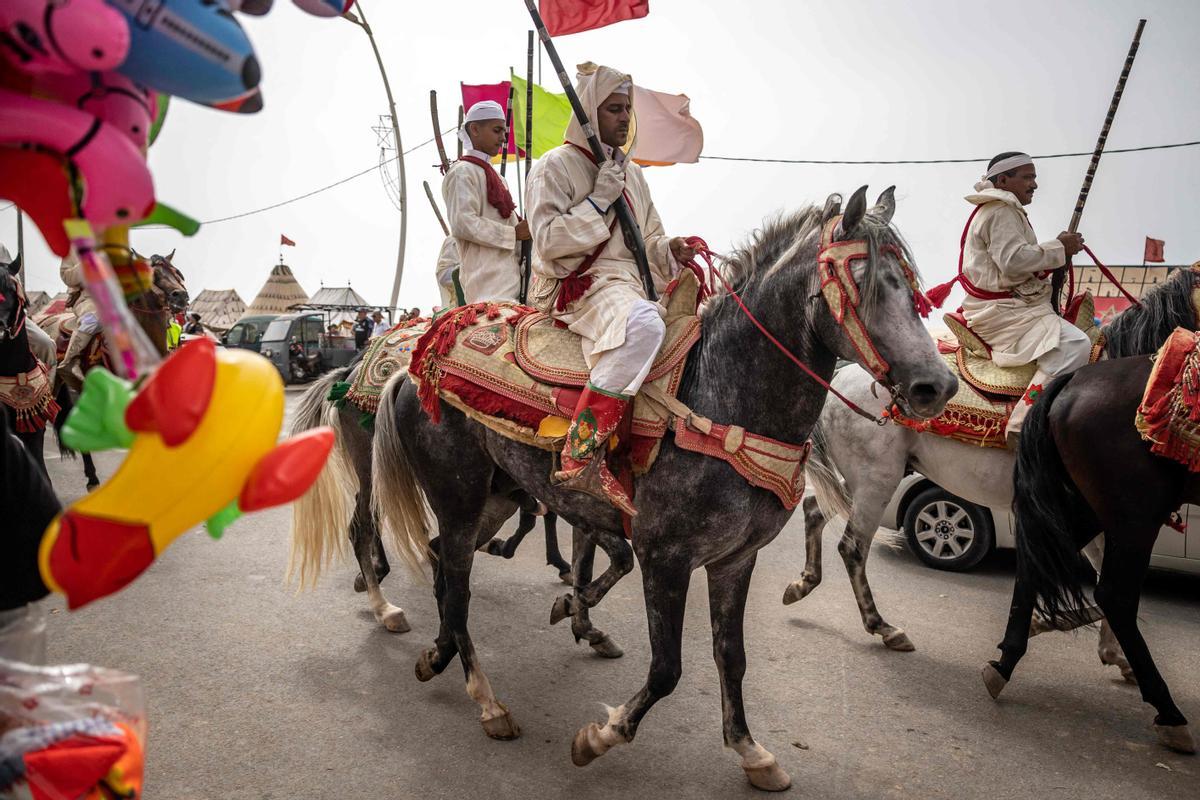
<point x="1154" y="251"/>
<point x="572" y="16"/>
<point x="284" y="240"/>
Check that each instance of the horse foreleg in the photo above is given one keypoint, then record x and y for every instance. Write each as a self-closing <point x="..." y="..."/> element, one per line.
<point x="507" y="548"/>
<point x="379" y="559"/>
<point x="364" y="534"/>
<point x="583" y="554"/>
<point x="728" y="585"/>
<point x="996" y="674"/>
<point x="553" y="556"/>
<point x="1108" y="648"/>
<point x="814" y="528"/>
<point x="89" y="471"/>
<point x="665" y="585"/>
<point x="620" y="563"/>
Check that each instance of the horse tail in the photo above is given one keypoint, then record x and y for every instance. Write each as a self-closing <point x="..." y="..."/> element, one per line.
<point x="1046" y="504"/>
<point x="396" y="499"/>
<point x="321" y="516"/>
<point x="62" y="396"/>
<point x="827" y="482"/>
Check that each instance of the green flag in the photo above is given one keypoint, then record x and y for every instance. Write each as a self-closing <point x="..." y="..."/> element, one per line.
<point x="551" y="113"/>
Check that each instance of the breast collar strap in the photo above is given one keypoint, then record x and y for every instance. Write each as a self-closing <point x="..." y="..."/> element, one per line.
<point x="835" y="262"/>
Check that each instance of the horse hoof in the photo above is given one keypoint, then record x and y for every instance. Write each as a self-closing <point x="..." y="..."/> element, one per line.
<point x="395" y="621"/>
<point x="993" y="680"/>
<point x="503" y="727"/>
<point x="424" y="667"/>
<point x="1176" y="737"/>
<point x="561" y="609"/>
<point x="607" y="648"/>
<point x="1127" y="674"/>
<point x="898" y="640"/>
<point x="360" y="583"/>
<point x="769" y="777"/>
<point x="582" y="752"/>
<point x="793" y="593"/>
<point x="91" y="485"/>
<point x="567" y="578"/>
<point x="541" y="509"/>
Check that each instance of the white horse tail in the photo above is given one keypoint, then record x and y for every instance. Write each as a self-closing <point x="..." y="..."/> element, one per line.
<point x="321" y="516"/>
<point x="396" y="499"/>
<point x="827" y="482"/>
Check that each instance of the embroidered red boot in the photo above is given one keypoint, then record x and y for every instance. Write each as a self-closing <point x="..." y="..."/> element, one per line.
<point x="583" y="456"/>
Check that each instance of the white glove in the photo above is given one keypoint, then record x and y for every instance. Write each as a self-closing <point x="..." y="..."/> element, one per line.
<point x="610" y="182"/>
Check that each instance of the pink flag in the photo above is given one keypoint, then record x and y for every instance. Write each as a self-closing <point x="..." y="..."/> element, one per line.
<point x="667" y="133"/>
<point x="572" y="16"/>
<point x="473" y="93"/>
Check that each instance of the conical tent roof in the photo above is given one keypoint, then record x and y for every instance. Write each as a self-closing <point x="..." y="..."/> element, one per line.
<point x="278" y="294"/>
<point x="339" y="296"/>
<point x="219" y="309"/>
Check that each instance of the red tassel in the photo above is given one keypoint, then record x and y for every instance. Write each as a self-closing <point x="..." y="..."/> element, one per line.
<point x="921" y="303"/>
<point x="938" y="294"/>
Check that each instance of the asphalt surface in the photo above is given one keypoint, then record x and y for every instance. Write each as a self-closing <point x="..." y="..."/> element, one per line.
<point x="255" y="691"/>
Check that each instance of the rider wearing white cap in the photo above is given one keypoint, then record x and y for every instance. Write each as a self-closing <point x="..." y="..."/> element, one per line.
<point x="1006" y="274"/>
<point x="483" y="218"/>
<point x="586" y="276"/>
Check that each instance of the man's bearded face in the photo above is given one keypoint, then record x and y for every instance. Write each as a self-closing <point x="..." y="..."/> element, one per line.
<point x="613" y="118"/>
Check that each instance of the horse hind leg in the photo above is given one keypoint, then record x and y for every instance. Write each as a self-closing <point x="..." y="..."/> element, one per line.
<point x="553" y="555"/>
<point x="89" y="471"/>
<point x="814" y="528"/>
<point x="583" y="553"/>
<point x="589" y="594"/>
<point x="364" y="534"/>
<point x="378" y="559"/>
<point x="728" y="585"/>
<point x="854" y="547"/>
<point x="1108" y="648"/>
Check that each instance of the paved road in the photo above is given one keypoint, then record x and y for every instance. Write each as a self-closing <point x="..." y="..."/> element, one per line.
<point x="255" y="691"/>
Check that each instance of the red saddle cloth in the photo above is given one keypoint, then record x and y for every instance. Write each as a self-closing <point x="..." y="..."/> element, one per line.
<point x="1169" y="414"/>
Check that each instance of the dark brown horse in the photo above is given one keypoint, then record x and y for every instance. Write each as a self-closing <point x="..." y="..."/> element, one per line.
<point x="1083" y="469"/>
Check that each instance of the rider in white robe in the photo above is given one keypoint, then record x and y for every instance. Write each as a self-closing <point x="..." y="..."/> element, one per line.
<point x="1002" y="256"/>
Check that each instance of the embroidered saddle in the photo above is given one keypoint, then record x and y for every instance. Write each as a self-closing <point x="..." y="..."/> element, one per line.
<point x="520" y="373"/>
<point x="987" y="393"/>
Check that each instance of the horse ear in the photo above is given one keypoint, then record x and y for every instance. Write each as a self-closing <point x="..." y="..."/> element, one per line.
<point x="855" y="210"/>
<point x="14" y="266"/>
<point x="171" y="254"/>
<point x="833" y="207"/>
<point x="885" y="206"/>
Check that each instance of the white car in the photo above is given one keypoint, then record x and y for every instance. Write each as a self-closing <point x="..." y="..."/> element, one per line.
<point x="947" y="532"/>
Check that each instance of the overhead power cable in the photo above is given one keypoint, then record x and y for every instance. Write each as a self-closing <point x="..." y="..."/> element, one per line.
<point x="939" y="160"/>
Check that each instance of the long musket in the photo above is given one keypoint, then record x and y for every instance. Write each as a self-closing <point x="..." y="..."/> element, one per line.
<point x="460" y="124"/>
<point x="527" y="245"/>
<point x="437" y="131"/>
<point x="437" y="212"/>
<point x="633" y="234"/>
<point x="507" y="128"/>
<point x="1061" y="273"/>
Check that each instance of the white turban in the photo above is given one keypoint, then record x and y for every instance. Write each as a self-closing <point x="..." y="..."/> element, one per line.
<point x="483" y="110"/>
<point x="1000" y="167"/>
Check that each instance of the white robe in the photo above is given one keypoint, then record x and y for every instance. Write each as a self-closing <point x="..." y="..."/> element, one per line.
<point x="447" y="262"/>
<point x="1002" y="254"/>
<point x="487" y="243"/>
<point x="567" y="227"/>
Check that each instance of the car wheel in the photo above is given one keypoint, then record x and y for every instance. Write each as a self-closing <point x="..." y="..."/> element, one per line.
<point x="947" y="532"/>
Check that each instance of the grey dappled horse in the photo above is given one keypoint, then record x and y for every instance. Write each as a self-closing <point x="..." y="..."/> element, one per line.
<point x="695" y="511"/>
<point x="856" y="465"/>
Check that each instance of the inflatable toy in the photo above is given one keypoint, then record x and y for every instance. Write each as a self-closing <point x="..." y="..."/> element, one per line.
<point x="202" y="432"/>
<point x="325" y="8"/>
<point x="109" y="96"/>
<point x="38" y="184"/>
<point x="117" y="183"/>
<point x="63" y="37"/>
<point x="193" y="49"/>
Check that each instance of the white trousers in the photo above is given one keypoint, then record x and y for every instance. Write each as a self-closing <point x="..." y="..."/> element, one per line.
<point x="1072" y="352"/>
<point x="623" y="369"/>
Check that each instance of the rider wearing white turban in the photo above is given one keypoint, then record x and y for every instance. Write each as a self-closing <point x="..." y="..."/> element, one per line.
<point x="586" y="276"/>
<point x="482" y="217"/>
<point x="1006" y="273"/>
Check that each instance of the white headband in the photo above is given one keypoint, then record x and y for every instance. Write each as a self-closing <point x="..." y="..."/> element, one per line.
<point x="623" y="88"/>
<point x="483" y="110"/>
<point x="1004" y="165"/>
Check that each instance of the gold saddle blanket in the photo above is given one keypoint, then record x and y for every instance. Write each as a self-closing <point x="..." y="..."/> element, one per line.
<point x="987" y="393"/>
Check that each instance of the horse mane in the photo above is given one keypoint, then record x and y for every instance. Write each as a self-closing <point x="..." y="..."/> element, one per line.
<point x="782" y="238"/>
<point x="1141" y="329"/>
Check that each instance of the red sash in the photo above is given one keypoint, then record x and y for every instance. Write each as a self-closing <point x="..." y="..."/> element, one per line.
<point x="497" y="193"/>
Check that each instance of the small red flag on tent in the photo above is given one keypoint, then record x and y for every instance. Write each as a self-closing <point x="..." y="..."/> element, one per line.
<point x="284" y="240"/>
<point x="1154" y="251"/>
<point x="572" y="16"/>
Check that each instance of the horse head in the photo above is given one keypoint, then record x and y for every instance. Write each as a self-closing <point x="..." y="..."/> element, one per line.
<point x="874" y="303"/>
<point x="169" y="282"/>
<point x="12" y="304"/>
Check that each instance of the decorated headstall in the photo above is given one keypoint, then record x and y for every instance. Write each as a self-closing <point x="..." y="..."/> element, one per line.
<point x="835" y="265"/>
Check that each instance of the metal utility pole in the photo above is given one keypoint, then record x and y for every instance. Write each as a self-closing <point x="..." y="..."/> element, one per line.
<point x="360" y="19"/>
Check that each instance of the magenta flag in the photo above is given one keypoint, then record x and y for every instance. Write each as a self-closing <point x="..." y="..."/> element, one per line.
<point x="472" y="93"/>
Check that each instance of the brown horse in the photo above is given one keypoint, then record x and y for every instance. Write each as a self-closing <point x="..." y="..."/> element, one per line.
<point x="165" y="296"/>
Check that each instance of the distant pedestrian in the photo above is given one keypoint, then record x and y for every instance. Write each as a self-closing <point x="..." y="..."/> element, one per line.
<point x="362" y="329"/>
<point x="380" y="327"/>
<point x="194" y="328"/>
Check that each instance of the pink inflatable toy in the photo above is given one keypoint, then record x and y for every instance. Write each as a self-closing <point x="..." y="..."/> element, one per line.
<point x="325" y="8"/>
<point x="63" y="36"/>
<point x="117" y="183"/>
<point x="110" y="96"/>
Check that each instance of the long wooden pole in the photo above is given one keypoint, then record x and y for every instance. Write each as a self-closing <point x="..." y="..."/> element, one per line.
<point x="508" y="120"/>
<point x="460" y="124"/>
<point x="1061" y="273"/>
<point x="437" y="131"/>
<point x="21" y="244"/>
<point x="527" y="245"/>
<point x="361" y="21"/>
<point x="633" y="234"/>
<point x="437" y="212"/>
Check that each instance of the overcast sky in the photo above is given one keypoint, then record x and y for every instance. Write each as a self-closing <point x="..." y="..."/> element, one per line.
<point x="857" y="79"/>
